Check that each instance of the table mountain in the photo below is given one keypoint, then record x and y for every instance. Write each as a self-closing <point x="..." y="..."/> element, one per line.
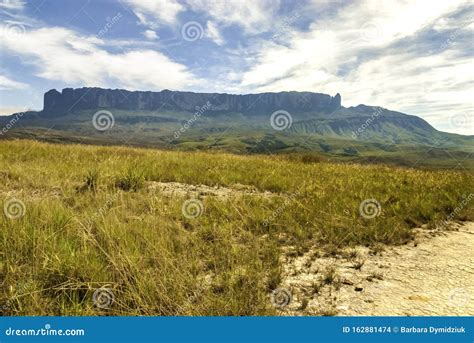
<point x="73" y="100"/>
<point x="262" y="123"/>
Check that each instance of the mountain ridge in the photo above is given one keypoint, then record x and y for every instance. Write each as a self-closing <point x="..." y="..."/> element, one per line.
<point x="60" y="103"/>
<point x="272" y="122"/>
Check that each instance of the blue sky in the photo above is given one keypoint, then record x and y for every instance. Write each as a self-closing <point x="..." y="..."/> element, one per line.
<point x="411" y="56"/>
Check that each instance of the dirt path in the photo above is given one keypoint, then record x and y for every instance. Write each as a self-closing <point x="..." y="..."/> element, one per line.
<point x="433" y="276"/>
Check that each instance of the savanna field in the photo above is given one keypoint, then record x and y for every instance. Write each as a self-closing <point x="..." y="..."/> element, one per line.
<point x="79" y="218"/>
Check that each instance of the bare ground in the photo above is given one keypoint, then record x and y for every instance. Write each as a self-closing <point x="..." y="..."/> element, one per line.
<point x="164" y="188"/>
<point x="432" y="276"/>
<point x="183" y="189"/>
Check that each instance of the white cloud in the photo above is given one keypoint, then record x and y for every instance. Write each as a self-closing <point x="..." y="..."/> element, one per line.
<point x="156" y="13"/>
<point x="9" y="84"/>
<point x="350" y="52"/>
<point x="334" y="40"/>
<point x="391" y="20"/>
<point x="61" y="54"/>
<point x="8" y="110"/>
<point x="150" y="34"/>
<point x="277" y="62"/>
<point x="12" y="4"/>
<point x="252" y="16"/>
<point x="212" y="31"/>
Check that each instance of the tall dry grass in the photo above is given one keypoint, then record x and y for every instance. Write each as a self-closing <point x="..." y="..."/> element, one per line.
<point x="89" y="221"/>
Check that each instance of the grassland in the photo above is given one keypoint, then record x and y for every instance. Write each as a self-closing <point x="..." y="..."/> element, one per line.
<point x="90" y="220"/>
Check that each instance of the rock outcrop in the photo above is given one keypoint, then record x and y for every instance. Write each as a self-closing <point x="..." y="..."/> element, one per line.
<point x="71" y="100"/>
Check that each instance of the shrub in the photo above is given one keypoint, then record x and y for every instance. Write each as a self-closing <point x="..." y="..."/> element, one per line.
<point x="132" y="180"/>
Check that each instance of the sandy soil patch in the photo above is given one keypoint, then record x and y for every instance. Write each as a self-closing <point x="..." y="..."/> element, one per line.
<point x="185" y="189"/>
<point x="432" y="276"/>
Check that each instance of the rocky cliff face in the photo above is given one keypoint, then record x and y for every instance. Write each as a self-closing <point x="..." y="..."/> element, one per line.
<point x="70" y="100"/>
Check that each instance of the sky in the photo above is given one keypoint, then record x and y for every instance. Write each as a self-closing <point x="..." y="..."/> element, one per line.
<point x="413" y="56"/>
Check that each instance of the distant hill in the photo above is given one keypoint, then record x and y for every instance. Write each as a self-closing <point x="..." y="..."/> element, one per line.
<point x="251" y="123"/>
